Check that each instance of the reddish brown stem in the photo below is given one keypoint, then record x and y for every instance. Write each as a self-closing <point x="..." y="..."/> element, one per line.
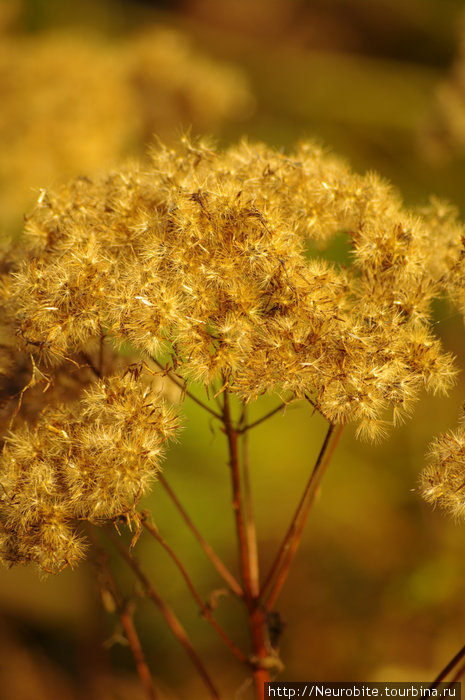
<point x="249" y="426"/>
<point x="221" y="568"/>
<point x="261" y="674"/>
<point x="257" y="618"/>
<point x="169" y="616"/>
<point x="136" y="648"/>
<point x="126" y="619"/>
<point x="280" y="568"/>
<point x="251" y="530"/>
<point x="206" y="612"/>
<point x="232" y="438"/>
<point x="453" y="663"/>
<point x="460" y="672"/>
<point x="182" y="385"/>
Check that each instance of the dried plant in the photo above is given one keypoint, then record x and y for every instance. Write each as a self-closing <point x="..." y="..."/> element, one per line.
<point x="444" y="135"/>
<point x="74" y="103"/>
<point x="443" y="480"/>
<point x="205" y="268"/>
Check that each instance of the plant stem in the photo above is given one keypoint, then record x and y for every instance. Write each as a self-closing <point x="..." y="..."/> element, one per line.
<point x="447" y="669"/>
<point x="457" y="675"/>
<point x="126" y="619"/>
<point x="182" y="385"/>
<point x="251" y="530"/>
<point x="232" y="438"/>
<point x="257" y="617"/>
<point x="246" y="427"/>
<point x="170" y="618"/>
<point x="221" y="568"/>
<point x="280" y="568"/>
<point x="206" y="612"/>
<point x="90" y="364"/>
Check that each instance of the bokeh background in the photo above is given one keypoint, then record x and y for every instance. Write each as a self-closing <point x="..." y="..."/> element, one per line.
<point x="377" y="589"/>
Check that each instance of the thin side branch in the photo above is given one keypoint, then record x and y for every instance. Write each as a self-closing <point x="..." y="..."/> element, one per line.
<point x="206" y="612"/>
<point x="282" y="406"/>
<point x="219" y="565"/>
<point x="169" y="616"/>
<point x="89" y="363"/>
<point x="453" y="663"/>
<point x="126" y="619"/>
<point x="280" y="568"/>
<point x="460" y="672"/>
<point x="182" y="385"/>
<point x="315" y="407"/>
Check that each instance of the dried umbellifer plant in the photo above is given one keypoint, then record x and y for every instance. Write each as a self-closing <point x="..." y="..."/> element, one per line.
<point x="204" y="269"/>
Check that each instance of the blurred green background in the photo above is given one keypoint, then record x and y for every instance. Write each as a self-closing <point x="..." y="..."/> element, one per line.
<point x="377" y="588"/>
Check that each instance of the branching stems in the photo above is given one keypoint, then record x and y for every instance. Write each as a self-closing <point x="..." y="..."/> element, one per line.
<point x="220" y="567"/>
<point x="126" y="618"/>
<point x="243" y="428"/>
<point x="169" y="616"/>
<point x="247" y="556"/>
<point x="258" y="601"/>
<point x="206" y="612"/>
<point x="90" y="364"/>
<point x="280" y="568"/>
<point x="182" y="385"/>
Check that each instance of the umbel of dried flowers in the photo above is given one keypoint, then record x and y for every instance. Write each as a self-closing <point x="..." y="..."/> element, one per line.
<point x="211" y="259"/>
<point x="86" y="461"/>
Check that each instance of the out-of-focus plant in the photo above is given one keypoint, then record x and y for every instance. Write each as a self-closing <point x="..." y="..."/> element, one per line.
<point x="74" y="103"/>
<point x="445" y="134"/>
<point x="204" y="269"/>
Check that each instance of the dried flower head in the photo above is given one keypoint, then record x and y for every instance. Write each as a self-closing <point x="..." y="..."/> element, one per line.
<point x="206" y="255"/>
<point x="89" y="460"/>
<point x="443" y="481"/>
<point x="209" y="261"/>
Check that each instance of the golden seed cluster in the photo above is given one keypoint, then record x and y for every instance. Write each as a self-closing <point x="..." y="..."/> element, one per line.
<point x="443" y="481"/>
<point x="209" y="261"/>
<point x="205" y="256"/>
<point x="89" y="460"/>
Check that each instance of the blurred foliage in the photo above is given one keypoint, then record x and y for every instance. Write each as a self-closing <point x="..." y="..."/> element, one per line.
<point x="76" y="102"/>
<point x="376" y="592"/>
